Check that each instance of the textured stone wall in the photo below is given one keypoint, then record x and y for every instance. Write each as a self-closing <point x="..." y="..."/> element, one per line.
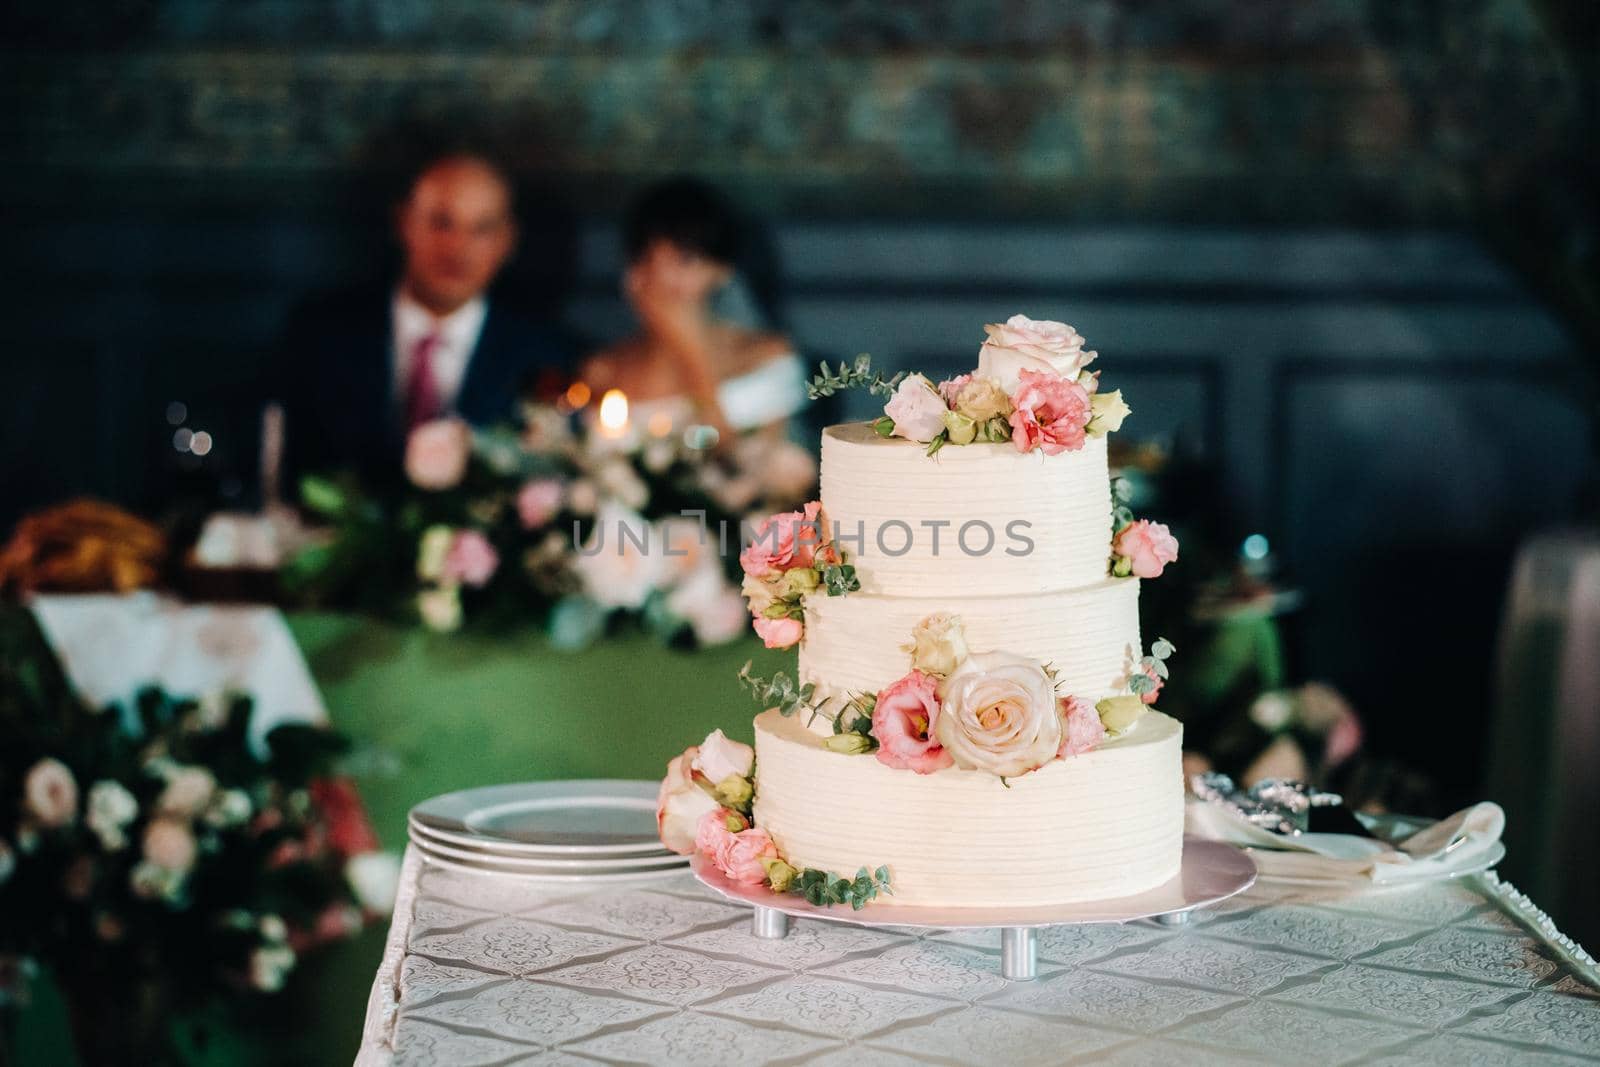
<point x="1253" y="110"/>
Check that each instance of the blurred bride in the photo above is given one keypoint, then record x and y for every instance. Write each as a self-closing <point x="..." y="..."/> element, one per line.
<point x="690" y="363"/>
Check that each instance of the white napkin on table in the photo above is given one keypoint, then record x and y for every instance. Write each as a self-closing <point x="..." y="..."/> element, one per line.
<point x="1347" y="857"/>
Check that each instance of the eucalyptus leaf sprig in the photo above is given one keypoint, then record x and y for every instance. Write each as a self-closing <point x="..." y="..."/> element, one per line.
<point x="821" y="889"/>
<point x="838" y="578"/>
<point x="1121" y="497"/>
<point x="1155" y="663"/>
<point x="779" y="691"/>
<point x="859" y="375"/>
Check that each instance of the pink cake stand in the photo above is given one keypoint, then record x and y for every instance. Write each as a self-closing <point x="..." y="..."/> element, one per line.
<point x="1211" y="872"/>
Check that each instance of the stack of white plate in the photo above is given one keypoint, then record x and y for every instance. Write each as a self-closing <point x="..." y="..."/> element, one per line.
<point x="552" y="831"/>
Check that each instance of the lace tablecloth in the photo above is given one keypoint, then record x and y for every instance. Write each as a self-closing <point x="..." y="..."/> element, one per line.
<point x="483" y="969"/>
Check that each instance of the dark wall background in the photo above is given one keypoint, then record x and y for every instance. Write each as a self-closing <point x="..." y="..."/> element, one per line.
<point x="1342" y="252"/>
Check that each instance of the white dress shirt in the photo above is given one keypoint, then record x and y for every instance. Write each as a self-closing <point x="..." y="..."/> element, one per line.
<point x="458" y="336"/>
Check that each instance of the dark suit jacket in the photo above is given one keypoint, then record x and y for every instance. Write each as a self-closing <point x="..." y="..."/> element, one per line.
<point x="336" y="381"/>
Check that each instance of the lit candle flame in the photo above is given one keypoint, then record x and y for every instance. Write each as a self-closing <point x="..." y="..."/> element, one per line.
<point x="614" y="411"/>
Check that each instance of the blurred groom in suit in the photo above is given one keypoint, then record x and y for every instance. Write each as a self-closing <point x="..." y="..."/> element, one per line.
<point x="363" y="369"/>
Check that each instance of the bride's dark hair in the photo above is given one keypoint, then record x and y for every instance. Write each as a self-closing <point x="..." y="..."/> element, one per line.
<point x="688" y="212"/>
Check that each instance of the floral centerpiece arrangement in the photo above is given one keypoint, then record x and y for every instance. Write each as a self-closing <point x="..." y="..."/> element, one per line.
<point x="562" y="523"/>
<point x="153" y="861"/>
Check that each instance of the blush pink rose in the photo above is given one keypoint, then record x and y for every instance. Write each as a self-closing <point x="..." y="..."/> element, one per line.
<point x="711" y="832"/>
<point x="950" y="388"/>
<point x="903" y="721"/>
<point x="169" y="844"/>
<point x="917" y="410"/>
<point x="736" y="853"/>
<point x="1081" y="728"/>
<point x="1149" y="547"/>
<point x="741" y="855"/>
<point x="778" y="633"/>
<point x="471" y="560"/>
<point x="538" y="501"/>
<point x="788" y="539"/>
<point x="1050" y="414"/>
<point x="437" y="453"/>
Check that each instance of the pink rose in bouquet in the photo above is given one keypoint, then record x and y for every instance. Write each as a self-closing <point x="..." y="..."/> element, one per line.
<point x="169" y="844"/>
<point x="437" y="454"/>
<point x="903" y="721"/>
<point x="1149" y="547"/>
<point x="538" y="501"/>
<point x="1050" y="414"/>
<point x="1081" y="728"/>
<point x="471" y="560"/>
<point x="779" y="633"/>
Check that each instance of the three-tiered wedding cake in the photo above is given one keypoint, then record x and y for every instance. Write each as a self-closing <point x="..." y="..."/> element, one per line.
<point x="970" y="718"/>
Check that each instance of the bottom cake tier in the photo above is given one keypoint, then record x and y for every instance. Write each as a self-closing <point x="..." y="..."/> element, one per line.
<point x="1104" y="824"/>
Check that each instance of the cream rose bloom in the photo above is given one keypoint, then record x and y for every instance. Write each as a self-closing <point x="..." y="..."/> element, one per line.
<point x="50" y="793"/>
<point x="437" y="453"/>
<point x="680" y="802"/>
<point x="1021" y="343"/>
<point x="720" y="757"/>
<point x="917" y="410"/>
<point x="999" y="715"/>
<point x="981" y="399"/>
<point x="938" y="644"/>
<point x="187" y="792"/>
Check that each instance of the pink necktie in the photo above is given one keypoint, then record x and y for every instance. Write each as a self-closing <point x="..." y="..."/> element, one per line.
<point x="422" y="390"/>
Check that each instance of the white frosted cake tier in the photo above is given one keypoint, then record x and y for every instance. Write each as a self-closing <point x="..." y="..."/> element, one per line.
<point x="1049" y="516"/>
<point x="1100" y="825"/>
<point x="1089" y="637"/>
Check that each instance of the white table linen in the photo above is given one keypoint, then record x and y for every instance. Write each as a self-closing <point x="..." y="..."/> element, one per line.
<point x="485" y="969"/>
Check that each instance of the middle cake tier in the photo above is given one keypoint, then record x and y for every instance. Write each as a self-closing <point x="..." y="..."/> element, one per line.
<point x="1088" y="637"/>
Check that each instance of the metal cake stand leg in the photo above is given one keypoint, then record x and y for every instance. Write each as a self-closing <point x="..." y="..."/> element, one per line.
<point x="1174" y="918"/>
<point x="769" y="923"/>
<point x="1019" y="953"/>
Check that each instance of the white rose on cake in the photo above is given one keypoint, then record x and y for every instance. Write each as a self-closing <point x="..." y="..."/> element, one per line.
<point x="1000" y="715"/>
<point x="938" y="644"/>
<point x="1021" y="343"/>
<point x="917" y="410"/>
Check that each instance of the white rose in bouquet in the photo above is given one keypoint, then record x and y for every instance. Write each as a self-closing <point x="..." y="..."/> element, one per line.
<point x="938" y="644"/>
<point x="437" y="454"/>
<point x="1000" y="715"/>
<point x="720" y="757"/>
<point x="1021" y="343"/>
<point x="620" y="563"/>
<point x="714" y="609"/>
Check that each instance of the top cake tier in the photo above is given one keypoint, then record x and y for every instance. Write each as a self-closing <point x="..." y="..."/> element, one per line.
<point x="972" y="520"/>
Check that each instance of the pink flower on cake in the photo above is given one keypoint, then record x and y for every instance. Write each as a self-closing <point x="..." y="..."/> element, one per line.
<point x="779" y="633"/>
<point x="1024" y="344"/>
<point x="743" y="854"/>
<point x="681" y="802"/>
<point x="950" y="388"/>
<point x="1081" y="728"/>
<point x="736" y="849"/>
<point x="788" y="539"/>
<point x="718" y="757"/>
<point x="471" y="560"/>
<point x="904" y="720"/>
<point x="1051" y="414"/>
<point x="999" y="715"/>
<point x="538" y="501"/>
<point x="917" y="410"/>
<point x="1148" y="547"/>
<point x="437" y="453"/>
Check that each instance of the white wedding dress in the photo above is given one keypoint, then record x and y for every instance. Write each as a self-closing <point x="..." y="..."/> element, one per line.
<point x="769" y="393"/>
